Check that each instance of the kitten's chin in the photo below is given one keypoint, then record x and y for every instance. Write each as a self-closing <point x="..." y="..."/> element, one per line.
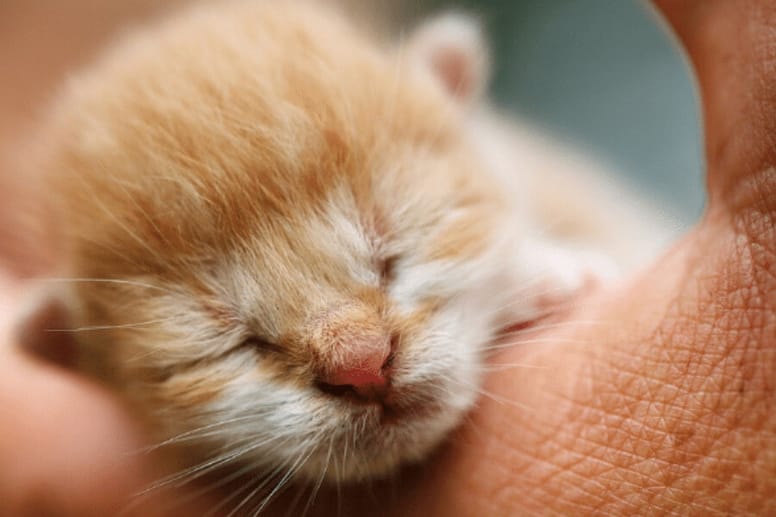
<point x="374" y="441"/>
<point x="377" y="442"/>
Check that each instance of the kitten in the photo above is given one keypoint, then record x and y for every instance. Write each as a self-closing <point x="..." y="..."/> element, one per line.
<point x="283" y="240"/>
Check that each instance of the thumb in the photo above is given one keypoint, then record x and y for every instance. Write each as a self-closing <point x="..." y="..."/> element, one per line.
<point x="66" y="446"/>
<point x="731" y="46"/>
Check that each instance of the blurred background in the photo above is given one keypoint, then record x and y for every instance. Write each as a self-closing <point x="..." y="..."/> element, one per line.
<point x="602" y="74"/>
<point x="606" y="76"/>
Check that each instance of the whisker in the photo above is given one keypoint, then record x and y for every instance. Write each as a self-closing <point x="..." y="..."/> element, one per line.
<point x="289" y="474"/>
<point x="189" y="474"/>
<point x="537" y="341"/>
<point x="192" y="434"/>
<point x="318" y="484"/>
<point x="526" y="293"/>
<point x="219" y="483"/>
<point x="550" y="326"/>
<point x="214" y="511"/>
<point x="501" y="400"/>
<point x="108" y="281"/>
<point x="345" y="451"/>
<point x="482" y="391"/>
<point x="509" y="366"/>
<point x="292" y="507"/>
<point x="138" y="325"/>
<point x="261" y="483"/>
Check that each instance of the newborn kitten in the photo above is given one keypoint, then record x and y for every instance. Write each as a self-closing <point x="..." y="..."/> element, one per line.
<point x="289" y="246"/>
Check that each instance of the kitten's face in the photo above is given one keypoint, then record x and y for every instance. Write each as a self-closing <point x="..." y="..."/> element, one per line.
<point x="301" y="259"/>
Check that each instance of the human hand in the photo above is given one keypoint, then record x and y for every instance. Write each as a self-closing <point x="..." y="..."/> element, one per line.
<point x="654" y="397"/>
<point x="669" y="402"/>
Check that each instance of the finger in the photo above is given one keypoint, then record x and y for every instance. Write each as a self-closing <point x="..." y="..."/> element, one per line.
<point x="732" y="49"/>
<point x="65" y="444"/>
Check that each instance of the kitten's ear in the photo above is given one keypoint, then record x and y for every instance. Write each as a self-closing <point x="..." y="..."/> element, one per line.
<point x="44" y="326"/>
<point x="452" y="46"/>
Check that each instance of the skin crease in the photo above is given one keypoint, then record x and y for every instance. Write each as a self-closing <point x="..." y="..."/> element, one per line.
<point x="671" y="409"/>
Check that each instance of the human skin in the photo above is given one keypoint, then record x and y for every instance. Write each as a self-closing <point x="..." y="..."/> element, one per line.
<point x="655" y="397"/>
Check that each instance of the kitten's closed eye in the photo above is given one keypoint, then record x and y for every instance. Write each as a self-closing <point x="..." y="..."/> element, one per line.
<point x="261" y="345"/>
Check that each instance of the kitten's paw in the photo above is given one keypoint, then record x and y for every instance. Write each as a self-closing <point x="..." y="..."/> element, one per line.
<point x="558" y="274"/>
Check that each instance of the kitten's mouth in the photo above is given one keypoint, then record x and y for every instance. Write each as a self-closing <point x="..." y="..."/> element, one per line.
<point x="393" y="405"/>
<point x="363" y="395"/>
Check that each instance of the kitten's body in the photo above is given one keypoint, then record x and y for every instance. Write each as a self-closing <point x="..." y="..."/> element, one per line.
<point x="284" y="240"/>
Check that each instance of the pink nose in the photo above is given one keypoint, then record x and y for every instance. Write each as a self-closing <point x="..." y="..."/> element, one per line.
<point x="357" y="378"/>
<point x="359" y="369"/>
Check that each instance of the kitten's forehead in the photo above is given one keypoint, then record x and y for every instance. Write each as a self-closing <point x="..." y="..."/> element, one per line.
<point x="270" y="117"/>
<point x="298" y="154"/>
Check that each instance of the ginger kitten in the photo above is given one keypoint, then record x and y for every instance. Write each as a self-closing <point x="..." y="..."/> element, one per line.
<point x="288" y="245"/>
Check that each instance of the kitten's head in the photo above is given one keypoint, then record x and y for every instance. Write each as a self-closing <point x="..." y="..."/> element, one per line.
<point x="283" y="248"/>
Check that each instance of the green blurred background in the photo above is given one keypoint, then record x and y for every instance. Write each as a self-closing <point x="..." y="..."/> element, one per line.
<point x="604" y="75"/>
